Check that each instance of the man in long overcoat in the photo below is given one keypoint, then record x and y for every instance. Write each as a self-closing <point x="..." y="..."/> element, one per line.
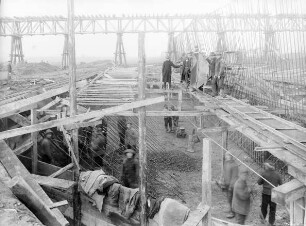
<point x="167" y="70"/>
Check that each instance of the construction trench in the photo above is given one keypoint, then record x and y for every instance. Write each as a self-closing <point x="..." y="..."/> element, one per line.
<point x="261" y="118"/>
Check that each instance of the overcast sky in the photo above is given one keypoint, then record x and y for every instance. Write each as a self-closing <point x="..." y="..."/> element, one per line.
<point x="101" y="45"/>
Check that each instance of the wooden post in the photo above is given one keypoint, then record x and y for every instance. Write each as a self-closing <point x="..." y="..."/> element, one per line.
<point x="142" y="130"/>
<point x="34" y="140"/>
<point x="180" y="99"/>
<point x="224" y="145"/>
<point x="206" y="179"/>
<point x="73" y="110"/>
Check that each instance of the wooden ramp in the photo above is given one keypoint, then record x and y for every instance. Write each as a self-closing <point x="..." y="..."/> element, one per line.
<point x="119" y="87"/>
<point x="284" y="139"/>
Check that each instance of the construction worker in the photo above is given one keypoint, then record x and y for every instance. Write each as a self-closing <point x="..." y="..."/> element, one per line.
<point x="274" y="178"/>
<point x="48" y="150"/>
<point x="220" y="75"/>
<point x="131" y="137"/>
<point x="98" y="145"/>
<point x="230" y="173"/>
<point x="168" y="119"/>
<point x="241" y="202"/>
<point x="121" y="124"/>
<point x="211" y="59"/>
<point x="130" y="169"/>
<point x="186" y="68"/>
<point x="175" y="119"/>
<point x="166" y="71"/>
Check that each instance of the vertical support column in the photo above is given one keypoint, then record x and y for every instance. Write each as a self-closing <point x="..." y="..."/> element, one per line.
<point x="206" y="179"/>
<point x="73" y="111"/>
<point x="180" y="100"/>
<point x="16" y="49"/>
<point x="170" y="44"/>
<point x="65" y="56"/>
<point x="34" y="140"/>
<point x="120" y="59"/>
<point x="142" y="129"/>
<point x="224" y="136"/>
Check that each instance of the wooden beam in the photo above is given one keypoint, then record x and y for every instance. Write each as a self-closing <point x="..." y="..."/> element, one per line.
<point x="62" y="170"/>
<point x="26" y="146"/>
<point x="58" y="204"/>
<point x="50" y="104"/>
<point x="27" y="195"/>
<point x="180" y="100"/>
<point x="78" y="118"/>
<point x="20" y="120"/>
<point x="34" y="140"/>
<point x="29" y="103"/>
<point x="196" y="216"/>
<point x="290" y="191"/>
<point x="53" y="182"/>
<point x="15" y="168"/>
<point x="142" y="130"/>
<point x="206" y="178"/>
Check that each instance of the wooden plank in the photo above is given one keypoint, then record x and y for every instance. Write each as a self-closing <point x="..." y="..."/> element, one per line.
<point x="287" y="192"/>
<point x="206" y="179"/>
<point x="27" y="195"/>
<point x="53" y="182"/>
<point x="20" y="120"/>
<point x="196" y="216"/>
<point x="26" y="146"/>
<point x="18" y="106"/>
<point x="62" y="170"/>
<point x="15" y="168"/>
<point x="34" y="140"/>
<point x="71" y="149"/>
<point x="50" y="104"/>
<point x="78" y="118"/>
<point x="58" y="204"/>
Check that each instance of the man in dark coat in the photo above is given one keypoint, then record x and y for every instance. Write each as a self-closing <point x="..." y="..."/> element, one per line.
<point x="230" y="177"/>
<point x="48" y="151"/>
<point x="186" y="69"/>
<point x="130" y="170"/>
<point x="274" y="178"/>
<point x="241" y="203"/>
<point x="166" y="71"/>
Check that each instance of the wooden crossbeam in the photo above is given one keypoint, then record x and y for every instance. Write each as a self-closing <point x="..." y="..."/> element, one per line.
<point x="58" y="204"/>
<point x="53" y="182"/>
<point x="78" y="118"/>
<point x="62" y="170"/>
<point x="26" y="146"/>
<point x="196" y="216"/>
<point x="52" y="103"/>
<point x="21" y="120"/>
<point x="29" y="103"/>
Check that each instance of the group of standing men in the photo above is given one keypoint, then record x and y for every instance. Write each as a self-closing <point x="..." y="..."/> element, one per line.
<point x="216" y="71"/>
<point x="239" y="192"/>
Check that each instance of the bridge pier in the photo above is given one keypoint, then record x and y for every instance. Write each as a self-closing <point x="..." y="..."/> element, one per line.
<point x="16" y="49"/>
<point x="221" y="44"/>
<point x="65" y="56"/>
<point x="171" y="46"/>
<point x="120" y="59"/>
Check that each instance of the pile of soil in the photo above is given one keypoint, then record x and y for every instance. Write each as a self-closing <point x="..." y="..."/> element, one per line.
<point x="34" y="68"/>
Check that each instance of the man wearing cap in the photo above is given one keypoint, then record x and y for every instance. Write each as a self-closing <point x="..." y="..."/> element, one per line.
<point x="241" y="203"/>
<point x="274" y="178"/>
<point x="166" y="71"/>
<point x="47" y="149"/>
<point x="130" y="169"/>
<point x="230" y="177"/>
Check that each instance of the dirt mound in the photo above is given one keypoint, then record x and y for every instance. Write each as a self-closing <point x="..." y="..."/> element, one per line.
<point x="34" y="68"/>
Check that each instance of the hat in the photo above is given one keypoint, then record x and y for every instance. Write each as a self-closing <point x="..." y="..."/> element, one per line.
<point x="129" y="151"/>
<point x="49" y="131"/>
<point x="269" y="165"/>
